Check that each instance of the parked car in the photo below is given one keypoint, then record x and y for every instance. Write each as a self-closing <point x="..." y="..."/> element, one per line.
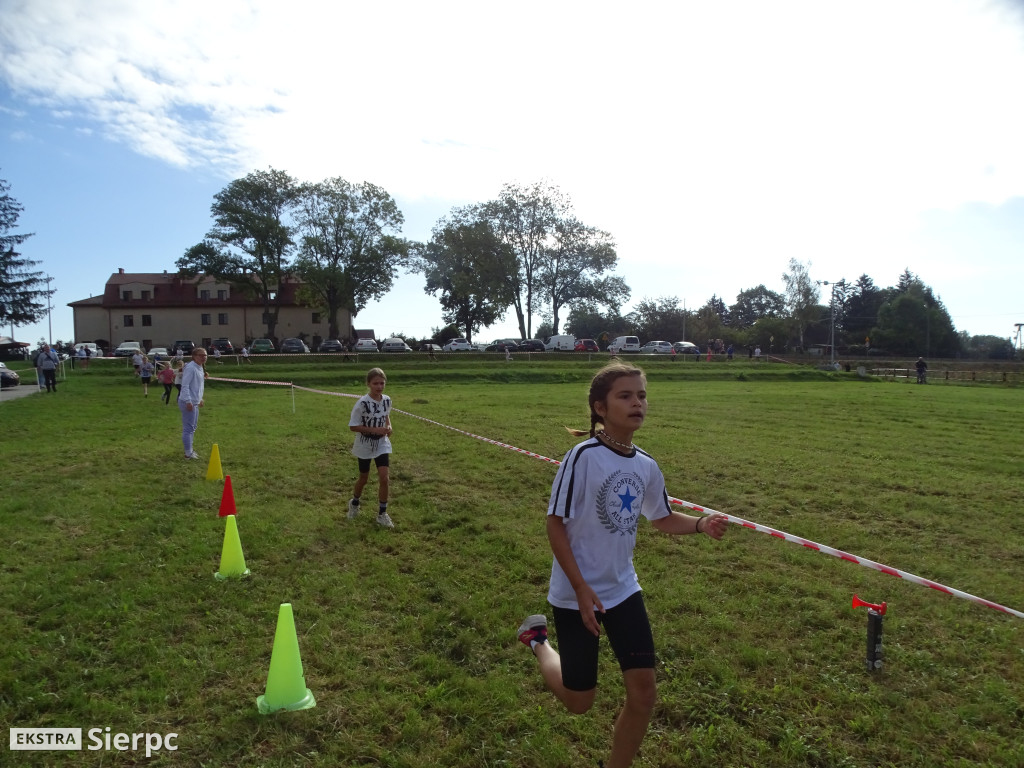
<point x="366" y="345"/>
<point x="127" y="349"/>
<point x="330" y="345"/>
<point x="624" y="344"/>
<point x="531" y="345"/>
<point x="294" y="347"/>
<point x="162" y="352"/>
<point x="502" y="345"/>
<point x="656" y="348"/>
<point x="430" y="347"/>
<point x="560" y="343"/>
<point x="458" y="345"/>
<point x="185" y="346"/>
<point x="395" y="345"/>
<point x="261" y="346"/>
<point x="8" y="378"/>
<point x="224" y="345"/>
<point x="686" y="348"/>
<point x="586" y="345"/>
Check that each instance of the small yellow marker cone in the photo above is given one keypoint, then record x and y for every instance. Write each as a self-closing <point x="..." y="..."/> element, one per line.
<point x="214" y="471"/>
<point x="232" y="561"/>
<point x="286" y="687"/>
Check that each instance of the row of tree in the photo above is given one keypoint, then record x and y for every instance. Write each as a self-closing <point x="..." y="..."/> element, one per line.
<point x="525" y="250"/>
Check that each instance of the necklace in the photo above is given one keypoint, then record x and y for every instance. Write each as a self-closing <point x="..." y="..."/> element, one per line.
<point x="613" y="441"/>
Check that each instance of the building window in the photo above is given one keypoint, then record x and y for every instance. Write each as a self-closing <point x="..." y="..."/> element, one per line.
<point x="222" y="318"/>
<point x="205" y="319"/>
<point x="129" y="321"/>
<point x="126" y="295"/>
<point x="316" y="318"/>
<point x="222" y="294"/>
<point x="147" y="319"/>
<point x="204" y="294"/>
<point x="145" y="296"/>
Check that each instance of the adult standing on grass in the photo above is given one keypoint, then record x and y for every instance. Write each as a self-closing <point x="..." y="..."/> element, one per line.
<point x="601" y="489"/>
<point x="922" y="370"/>
<point x="193" y="382"/>
<point x="371" y="421"/>
<point x="46" y="364"/>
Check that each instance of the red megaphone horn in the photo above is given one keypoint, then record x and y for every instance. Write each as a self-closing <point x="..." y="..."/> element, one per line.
<point x="858" y="603"/>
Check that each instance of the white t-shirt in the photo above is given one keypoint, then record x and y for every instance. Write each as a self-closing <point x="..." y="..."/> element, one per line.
<point x="600" y="495"/>
<point x="368" y="412"/>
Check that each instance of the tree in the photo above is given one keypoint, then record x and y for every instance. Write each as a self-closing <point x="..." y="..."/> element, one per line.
<point x="586" y="322"/>
<point x="860" y="313"/>
<point x="349" y="250"/>
<point x="753" y="304"/>
<point x="658" y="319"/>
<point x="23" y="299"/>
<point x="574" y="268"/>
<point x="251" y="242"/>
<point x="469" y="266"/>
<point x="801" y="297"/>
<point x="915" y="322"/>
<point x="523" y="219"/>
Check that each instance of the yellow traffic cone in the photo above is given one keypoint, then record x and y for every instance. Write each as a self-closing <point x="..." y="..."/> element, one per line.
<point x="286" y="687"/>
<point x="214" y="471"/>
<point x="232" y="561"/>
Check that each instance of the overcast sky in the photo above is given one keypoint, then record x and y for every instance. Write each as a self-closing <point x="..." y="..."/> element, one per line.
<point x="714" y="141"/>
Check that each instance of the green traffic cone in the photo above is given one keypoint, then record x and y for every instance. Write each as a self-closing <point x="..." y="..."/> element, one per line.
<point x="232" y="561"/>
<point x="286" y="687"/>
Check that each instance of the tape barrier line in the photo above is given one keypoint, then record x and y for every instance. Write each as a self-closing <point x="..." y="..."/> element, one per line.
<point x="823" y="548"/>
<point x="250" y="381"/>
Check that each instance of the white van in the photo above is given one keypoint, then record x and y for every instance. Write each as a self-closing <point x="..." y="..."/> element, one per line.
<point x="395" y="345"/>
<point x="560" y="343"/>
<point x="624" y="344"/>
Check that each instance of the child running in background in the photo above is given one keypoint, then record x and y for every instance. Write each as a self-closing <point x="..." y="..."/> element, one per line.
<point x="371" y="421"/>
<point x="166" y="377"/>
<point x="179" y="371"/>
<point x="145" y="374"/>
<point x="601" y="489"/>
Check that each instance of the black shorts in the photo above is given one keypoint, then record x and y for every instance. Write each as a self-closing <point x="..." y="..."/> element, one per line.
<point x="628" y="630"/>
<point x="382" y="461"/>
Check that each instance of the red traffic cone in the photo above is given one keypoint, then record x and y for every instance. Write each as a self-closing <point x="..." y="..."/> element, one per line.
<point x="227" y="499"/>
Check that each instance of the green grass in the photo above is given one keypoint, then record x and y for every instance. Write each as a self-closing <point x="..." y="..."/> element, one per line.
<point x="110" y="615"/>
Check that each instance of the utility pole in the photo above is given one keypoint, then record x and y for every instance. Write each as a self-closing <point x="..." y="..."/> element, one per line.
<point x="832" y="304"/>
<point x="49" y="309"/>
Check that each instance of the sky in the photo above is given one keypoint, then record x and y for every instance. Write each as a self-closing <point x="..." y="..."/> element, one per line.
<point x="714" y="141"/>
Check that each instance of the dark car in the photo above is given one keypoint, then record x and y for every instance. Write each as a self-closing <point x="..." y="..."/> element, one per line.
<point x="294" y="346"/>
<point x="8" y="378"/>
<point x="330" y="345"/>
<point x="531" y="345"/>
<point x="586" y="345"/>
<point x="428" y="347"/>
<point x="184" y="345"/>
<point x="224" y="345"/>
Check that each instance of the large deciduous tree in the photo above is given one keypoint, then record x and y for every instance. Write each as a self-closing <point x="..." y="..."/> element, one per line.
<point x="349" y="247"/>
<point x="468" y="266"/>
<point x="524" y="218"/>
<point x="23" y="299"/>
<point x="801" y="297"/>
<point x="575" y="269"/>
<point x="250" y="243"/>
<point x="753" y="304"/>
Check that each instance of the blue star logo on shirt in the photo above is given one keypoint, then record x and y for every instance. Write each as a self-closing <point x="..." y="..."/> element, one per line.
<point x="627" y="500"/>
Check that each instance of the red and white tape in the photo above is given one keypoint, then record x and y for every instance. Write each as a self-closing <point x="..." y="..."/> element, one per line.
<point x="823" y="548"/>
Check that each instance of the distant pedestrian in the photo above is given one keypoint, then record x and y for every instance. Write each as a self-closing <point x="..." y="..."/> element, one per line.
<point x="137" y="362"/>
<point x="46" y="365"/>
<point x="922" y="370"/>
<point x="216" y="356"/>
<point x="757" y="353"/>
<point x="179" y="369"/>
<point x="729" y="352"/>
<point x="245" y="355"/>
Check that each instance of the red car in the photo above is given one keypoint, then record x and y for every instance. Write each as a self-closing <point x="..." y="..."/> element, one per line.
<point x="586" y="345"/>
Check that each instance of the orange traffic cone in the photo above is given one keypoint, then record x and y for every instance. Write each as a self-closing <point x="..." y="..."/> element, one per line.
<point x="227" y="499"/>
<point x="286" y="686"/>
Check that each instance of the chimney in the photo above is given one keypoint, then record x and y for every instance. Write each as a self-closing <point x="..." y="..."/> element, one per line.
<point x="120" y="270"/>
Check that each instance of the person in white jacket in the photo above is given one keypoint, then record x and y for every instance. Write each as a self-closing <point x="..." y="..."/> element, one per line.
<point x="193" y="381"/>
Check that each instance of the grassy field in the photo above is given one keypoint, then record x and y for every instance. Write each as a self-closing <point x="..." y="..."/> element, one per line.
<point x="111" y="617"/>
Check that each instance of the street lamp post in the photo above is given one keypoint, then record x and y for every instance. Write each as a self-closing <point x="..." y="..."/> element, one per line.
<point x="49" y="310"/>
<point x="832" y="304"/>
